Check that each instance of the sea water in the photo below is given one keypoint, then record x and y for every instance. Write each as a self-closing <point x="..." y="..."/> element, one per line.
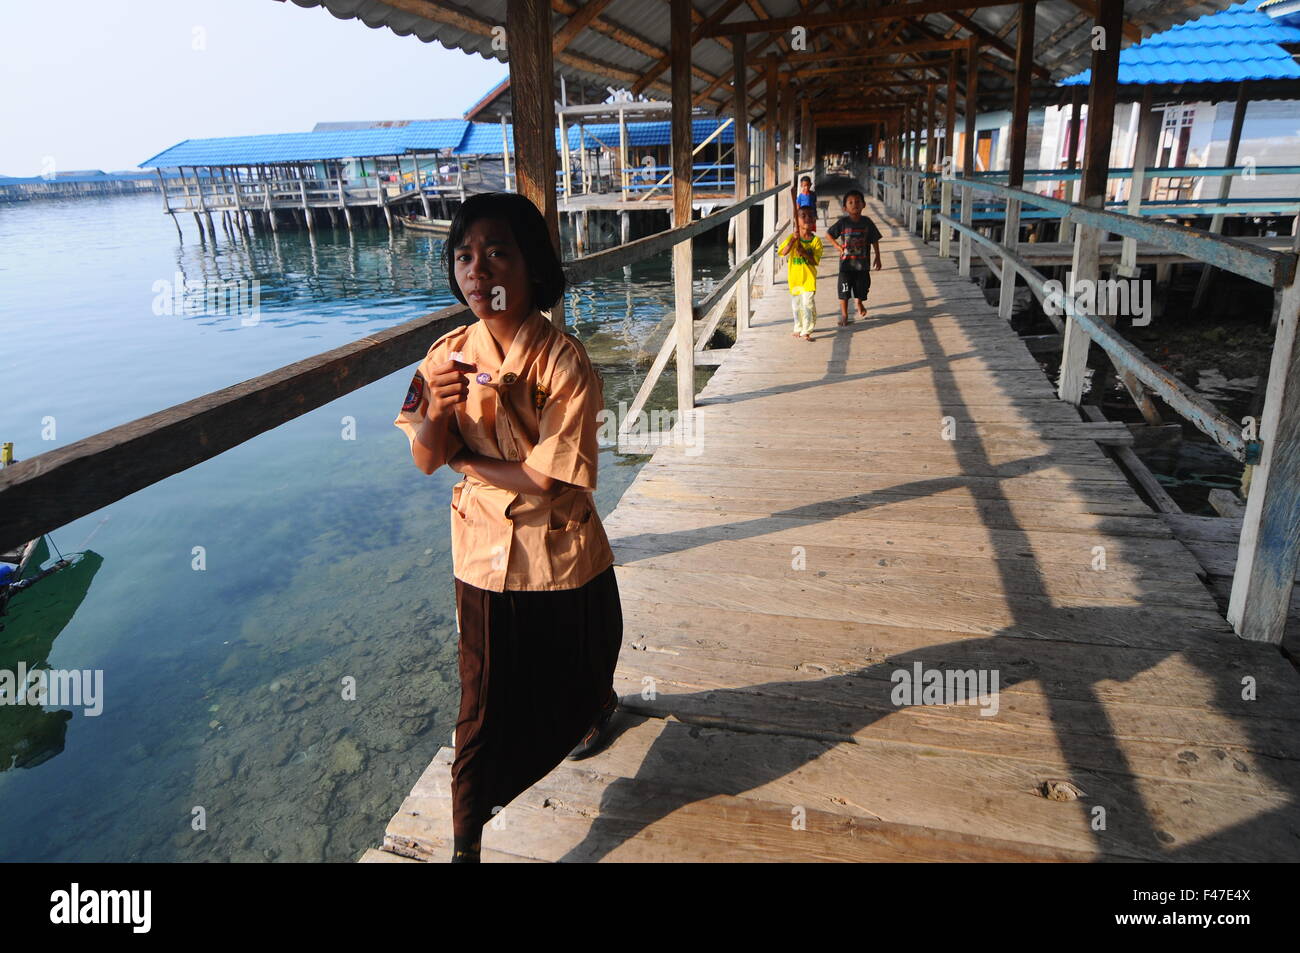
<point x="275" y="627"/>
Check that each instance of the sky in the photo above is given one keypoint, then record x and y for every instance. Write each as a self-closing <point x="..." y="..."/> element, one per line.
<point x="90" y="84"/>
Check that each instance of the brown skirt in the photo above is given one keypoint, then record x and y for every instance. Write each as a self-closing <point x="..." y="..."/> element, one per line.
<point x="535" y="669"/>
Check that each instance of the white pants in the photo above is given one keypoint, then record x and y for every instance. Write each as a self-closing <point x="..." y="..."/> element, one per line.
<point x="805" y="311"/>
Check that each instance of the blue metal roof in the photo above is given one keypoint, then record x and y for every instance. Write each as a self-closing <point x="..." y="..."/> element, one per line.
<point x="1238" y="44"/>
<point x="484" y="138"/>
<point x="311" y="146"/>
<point x="463" y="138"/>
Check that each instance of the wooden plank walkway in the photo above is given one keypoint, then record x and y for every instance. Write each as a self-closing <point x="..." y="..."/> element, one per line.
<point x="826" y="537"/>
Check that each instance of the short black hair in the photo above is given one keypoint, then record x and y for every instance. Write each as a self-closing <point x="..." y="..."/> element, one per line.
<point x="803" y="179"/>
<point x="852" y="192"/>
<point x="531" y="235"/>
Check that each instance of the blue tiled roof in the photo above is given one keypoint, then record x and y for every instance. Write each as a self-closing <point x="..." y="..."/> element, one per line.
<point x="310" y="146"/>
<point x="1240" y="43"/>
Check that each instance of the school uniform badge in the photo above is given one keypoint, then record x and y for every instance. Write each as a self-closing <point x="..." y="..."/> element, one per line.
<point x="414" y="393"/>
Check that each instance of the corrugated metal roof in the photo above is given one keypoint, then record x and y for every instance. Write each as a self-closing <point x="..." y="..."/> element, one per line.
<point x="311" y="146"/>
<point x="1236" y="45"/>
<point x="629" y="36"/>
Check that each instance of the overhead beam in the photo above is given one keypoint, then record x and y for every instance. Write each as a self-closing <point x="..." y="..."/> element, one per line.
<point x="577" y="23"/>
<point x="1131" y="30"/>
<point x="906" y="11"/>
<point x="699" y="33"/>
<point x="994" y="41"/>
<point x="920" y="46"/>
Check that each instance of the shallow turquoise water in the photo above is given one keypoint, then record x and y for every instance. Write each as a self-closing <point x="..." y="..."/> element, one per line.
<point x="325" y="558"/>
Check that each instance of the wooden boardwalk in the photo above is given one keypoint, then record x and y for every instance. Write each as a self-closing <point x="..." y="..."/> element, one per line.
<point x="825" y="535"/>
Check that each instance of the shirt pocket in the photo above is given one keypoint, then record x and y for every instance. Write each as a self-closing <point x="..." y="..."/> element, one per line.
<point x="566" y="542"/>
<point x="460" y="494"/>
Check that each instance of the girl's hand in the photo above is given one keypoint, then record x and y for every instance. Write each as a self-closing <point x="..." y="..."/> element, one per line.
<point x="448" y="386"/>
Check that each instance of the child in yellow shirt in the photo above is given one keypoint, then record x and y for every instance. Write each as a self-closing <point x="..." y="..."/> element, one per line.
<point x="804" y="250"/>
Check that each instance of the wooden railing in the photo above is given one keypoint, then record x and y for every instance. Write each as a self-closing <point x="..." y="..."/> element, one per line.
<point x="1269" y="547"/>
<point x="47" y="491"/>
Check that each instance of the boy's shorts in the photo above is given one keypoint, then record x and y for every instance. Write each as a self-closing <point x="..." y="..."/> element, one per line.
<point x="854" y="284"/>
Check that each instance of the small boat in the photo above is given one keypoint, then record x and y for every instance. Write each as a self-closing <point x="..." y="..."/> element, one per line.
<point x="418" y="223"/>
<point x="21" y="567"/>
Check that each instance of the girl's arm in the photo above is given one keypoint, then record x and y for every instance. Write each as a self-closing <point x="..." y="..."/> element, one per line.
<point x="435" y="444"/>
<point x="506" y="474"/>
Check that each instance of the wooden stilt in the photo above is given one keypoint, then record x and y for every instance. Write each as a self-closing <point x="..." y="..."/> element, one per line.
<point x="1148" y="129"/>
<point x="1225" y="187"/>
<point x="1072" y="161"/>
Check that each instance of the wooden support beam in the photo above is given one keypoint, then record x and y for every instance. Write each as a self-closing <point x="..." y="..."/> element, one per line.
<point x="1096" y="165"/>
<point x="996" y="42"/>
<point x="972" y="90"/>
<point x="1016" y="153"/>
<point x="528" y="23"/>
<point x="769" y="141"/>
<point x="895" y="11"/>
<point x="919" y="46"/>
<point x="740" y="111"/>
<point x="1132" y="31"/>
<point x="578" y="22"/>
<point x="680" y="31"/>
<point x="1020" y="101"/>
<point x="697" y="34"/>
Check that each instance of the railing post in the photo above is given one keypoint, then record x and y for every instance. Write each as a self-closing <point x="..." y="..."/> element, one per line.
<point x="963" y="243"/>
<point x="1010" y="239"/>
<point x="913" y="181"/>
<point x="1074" y="357"/>
<point x="945" y="208"/>
<point x="926" y="215"/>
<point x="1269" y="549"/>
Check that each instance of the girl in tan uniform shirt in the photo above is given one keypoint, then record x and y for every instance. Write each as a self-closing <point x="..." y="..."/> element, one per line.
<point x="510" y="402"/>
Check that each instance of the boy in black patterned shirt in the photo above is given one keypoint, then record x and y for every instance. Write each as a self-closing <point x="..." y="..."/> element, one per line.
<point x="859" y="233"/>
